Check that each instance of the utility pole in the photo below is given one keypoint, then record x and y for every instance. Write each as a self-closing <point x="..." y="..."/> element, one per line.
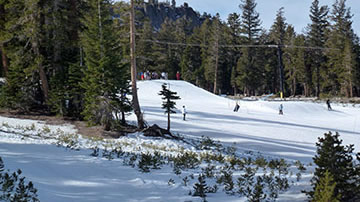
<point x="135" y="100"/>
<point x="281" y="71"/>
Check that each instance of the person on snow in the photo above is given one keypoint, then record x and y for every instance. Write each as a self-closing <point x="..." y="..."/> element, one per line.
<point x="281" y="109"/>
<point x="178" y="75"/>
<point x="183" y="111"/>
<point x="237" y="106"/>
<point x="328" y="104"/>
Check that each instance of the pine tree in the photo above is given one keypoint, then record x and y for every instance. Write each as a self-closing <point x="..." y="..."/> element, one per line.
<point x="165" y="54"/>
<point x="339" y="36"/>
<point x="204" y="33"/>
<point x="168" y="103"/>
<point x="190" y="60"/>
<point x="249" y="72"/>
<point x="233" y="36"/>
<point x="294" y="62"/>
<point x="324" y="191"/>
<point x="105" y="75"/>
<point x="277" y="33"/>
<point x="316" y="38"/>
<point x="212" y="61"/>
<point x="27" y="85"/>
<point x="337" y="159"/>
<point x="4" y="60"/>
<point x="145" y="48"/>
<point x="14" y="187"/>
<point x="200" y="188"/>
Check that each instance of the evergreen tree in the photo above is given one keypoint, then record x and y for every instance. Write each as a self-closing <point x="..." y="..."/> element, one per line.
<point x="14" y="188"/>
<point x="277" y="33"/>
<point x="163" y="52"/>
<point x="340" y="37"/>
<point x="190" y="60"/>
<point x="233" y="36"/>
<point x="27" y="84"/>
<point x="337" y="159"/>
<point x="324" y="191"/>
<point x="212" y="61"/>
<point x="105" y="75"/>
<point x="4" y="60"/>
<point x="249" y="73"/>
<point x="145" y="59"/>
<point x="204" y="33"/>
<point x="316" y="38"/>
<point x="200" y="188"/>
<point x="294" y="62"/>
<point x="168" y="104"/>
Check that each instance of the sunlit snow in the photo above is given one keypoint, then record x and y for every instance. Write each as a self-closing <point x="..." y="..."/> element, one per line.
<point x="61" y="174"/>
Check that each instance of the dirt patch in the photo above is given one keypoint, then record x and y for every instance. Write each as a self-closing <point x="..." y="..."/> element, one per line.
<point x="81" y="126"/>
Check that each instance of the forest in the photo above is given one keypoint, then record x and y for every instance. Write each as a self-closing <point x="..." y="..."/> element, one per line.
<point x="72" y="57"/>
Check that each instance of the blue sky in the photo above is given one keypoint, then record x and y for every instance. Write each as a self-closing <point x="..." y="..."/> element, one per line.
<point x="296" y="11"/>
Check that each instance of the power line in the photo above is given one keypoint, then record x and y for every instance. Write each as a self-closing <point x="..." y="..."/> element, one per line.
<point x="239" y="45"/>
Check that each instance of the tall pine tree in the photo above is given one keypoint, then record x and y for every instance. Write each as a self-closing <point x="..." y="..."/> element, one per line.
<point x="316" y="38"/>
<point x="105" y="74"/>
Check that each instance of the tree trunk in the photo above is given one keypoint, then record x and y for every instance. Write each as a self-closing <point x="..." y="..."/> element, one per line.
<point x="294" y="86"/>
<point x="168" y="126"/>
<point x="123" y="121"/>
<point x="4" y="60"/>
<point x="43" y="78"/>
<point x="135" y="100"/>
<point x="216" y="62"/>
<point x="317" y="81"/>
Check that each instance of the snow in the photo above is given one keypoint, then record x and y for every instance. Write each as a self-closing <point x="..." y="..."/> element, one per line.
<point x="62" y="174"/>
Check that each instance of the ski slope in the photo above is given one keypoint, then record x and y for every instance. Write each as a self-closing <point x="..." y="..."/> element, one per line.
<point x="63" y="175"/>
<point x="257" y="125"/>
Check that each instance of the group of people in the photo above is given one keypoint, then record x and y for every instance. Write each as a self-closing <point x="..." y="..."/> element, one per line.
<point x="147" y="75"/>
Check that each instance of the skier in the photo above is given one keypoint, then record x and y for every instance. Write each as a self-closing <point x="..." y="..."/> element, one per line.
<point x="237" y="106"/>
<point x="281" y="109"/>
<point x="183" y="111"/>
<point x="178" y="75"/>
<point x="328" y="104"/>
<point x="163" y="75"/>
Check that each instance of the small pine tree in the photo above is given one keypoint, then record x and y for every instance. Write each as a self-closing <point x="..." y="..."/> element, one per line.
<point x="324" y="191"/>
<point x="200" y="188"/>
<point x="168" y="104"/>
<point x="14" y="188"/>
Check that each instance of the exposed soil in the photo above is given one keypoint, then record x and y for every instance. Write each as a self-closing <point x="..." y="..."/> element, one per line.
<point x="81" y="126"/>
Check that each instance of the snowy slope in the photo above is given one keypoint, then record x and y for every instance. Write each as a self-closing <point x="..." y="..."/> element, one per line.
<point x="69" y="175"/>
<point x="257" y="126"/>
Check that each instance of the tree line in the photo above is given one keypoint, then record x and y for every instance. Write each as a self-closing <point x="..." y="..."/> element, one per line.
<point x="240" y="57"/>
<point x="72" y="57"/>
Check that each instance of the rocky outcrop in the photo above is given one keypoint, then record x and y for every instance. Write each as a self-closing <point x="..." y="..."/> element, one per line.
<point x="158" y="12"/>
